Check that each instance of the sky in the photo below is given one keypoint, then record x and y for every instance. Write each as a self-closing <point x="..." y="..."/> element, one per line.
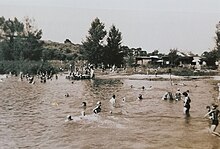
<point x="188" y="25"/>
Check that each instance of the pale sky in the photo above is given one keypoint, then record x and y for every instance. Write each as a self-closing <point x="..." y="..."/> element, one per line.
<point x="188" y="25"/>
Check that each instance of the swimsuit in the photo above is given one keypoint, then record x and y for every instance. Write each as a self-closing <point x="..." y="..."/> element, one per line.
<point x="215" y="114"/>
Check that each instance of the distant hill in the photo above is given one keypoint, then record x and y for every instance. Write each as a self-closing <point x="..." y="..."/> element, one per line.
<point x="66" y="47"/>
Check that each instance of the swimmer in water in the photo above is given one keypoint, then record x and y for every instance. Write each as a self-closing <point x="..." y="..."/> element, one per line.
<point x="84" y="105"/>
<point x="140" y="97"/>
<point x="97" y="109"/>
<point x="69" y="118"/>
<point x="123" y="99"/>
<point x="67" y="95"/>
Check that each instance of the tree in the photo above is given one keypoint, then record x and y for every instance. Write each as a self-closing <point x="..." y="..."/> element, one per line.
<point x="19" y="40"/>
<point x="93" y="48"/>
<point x="113" y="53"/>
<point x="32" y="46"/>
<point x="210" y="57"/>
<point x="128" y="55"/>
<point x="10" y="30"/>
<point x="137" y="51"/>
<point x="218" y="36"/>
<point x="217" y="40"/>
<point x="173" y="57"/>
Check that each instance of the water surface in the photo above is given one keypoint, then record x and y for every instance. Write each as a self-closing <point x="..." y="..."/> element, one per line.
<point x="33" y="115"/>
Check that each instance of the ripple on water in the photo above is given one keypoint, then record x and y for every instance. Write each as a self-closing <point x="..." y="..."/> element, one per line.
<point x="33" y="116"/>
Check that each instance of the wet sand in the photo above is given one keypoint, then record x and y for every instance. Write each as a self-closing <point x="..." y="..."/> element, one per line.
<point x="33" y="115"/>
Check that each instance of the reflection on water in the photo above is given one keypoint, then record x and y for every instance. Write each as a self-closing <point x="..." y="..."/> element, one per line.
<point x="33" y="116"/>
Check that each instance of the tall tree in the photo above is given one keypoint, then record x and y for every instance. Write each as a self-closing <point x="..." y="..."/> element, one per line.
<point x="10" y="30"/>
<point x="19" y="40"/>
<point x="218" y="35"/>
<point x="31" y="41"/>
<point x="217" y="39"/>
<point x="173" y="57"/>
<point x="113" y="52"/>
<point x="93" y="48"/>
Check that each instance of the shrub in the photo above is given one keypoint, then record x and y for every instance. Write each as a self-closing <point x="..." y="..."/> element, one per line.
<point x="30" y="67"/>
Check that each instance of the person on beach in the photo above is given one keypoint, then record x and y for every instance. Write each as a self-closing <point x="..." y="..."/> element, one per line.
<point x="97" y="109"/>
<point x="215" y="114"/>
<point x="186" y="105"/>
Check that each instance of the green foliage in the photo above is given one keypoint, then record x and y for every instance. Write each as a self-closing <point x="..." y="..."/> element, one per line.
<point x="173" y="57"/>
<point x="113" y="53"/>
<point x="19" y="41"/>
<point x="155" y="53"/>
<point x="218" y="37"/>
<point x="30" y="67"/>
<point x="60" y="51"/>
<point x="128" y="55"/>
<point x="190" y="72"/>
<point x="210" y="57"/>
<point x="93" y="49"/>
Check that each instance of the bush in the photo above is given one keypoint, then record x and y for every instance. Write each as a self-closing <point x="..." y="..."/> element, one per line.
<point x="30" y="67"/>
<point x="191" y="72"/>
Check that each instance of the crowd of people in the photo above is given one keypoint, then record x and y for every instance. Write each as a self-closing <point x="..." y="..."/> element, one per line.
<point x="86" y="73"/>
<point x="213" y="113"/>
<point x="41" y="75"/>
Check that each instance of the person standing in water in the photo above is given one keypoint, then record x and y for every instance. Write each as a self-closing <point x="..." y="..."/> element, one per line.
<point x="178" y="94"/>
<point x="84" y="108"/>
<point x="215" y="114"/>
<point x="186" y="105"/>
<point x="113" y="100"/>
<point x="113" y="103"/>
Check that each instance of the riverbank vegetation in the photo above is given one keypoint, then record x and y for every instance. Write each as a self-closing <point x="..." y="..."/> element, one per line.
<point x="23" y="50"/>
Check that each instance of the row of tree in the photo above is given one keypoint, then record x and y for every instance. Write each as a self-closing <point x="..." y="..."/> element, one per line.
<point x="96" y="52"/>
<point x="113" y="53"/>
<point x="21" y="41"/>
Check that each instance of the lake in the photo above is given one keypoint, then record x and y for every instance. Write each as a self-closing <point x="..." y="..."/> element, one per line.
<point x="33" y="115"/>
